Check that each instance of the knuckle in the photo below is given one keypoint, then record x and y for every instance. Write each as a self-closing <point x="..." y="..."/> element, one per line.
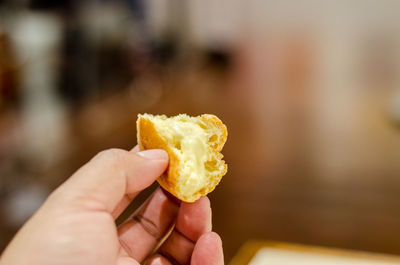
<point x="111" y="156"/>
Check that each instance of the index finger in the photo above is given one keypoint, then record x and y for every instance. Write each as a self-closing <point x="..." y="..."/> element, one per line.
<point x="147" y="227"/>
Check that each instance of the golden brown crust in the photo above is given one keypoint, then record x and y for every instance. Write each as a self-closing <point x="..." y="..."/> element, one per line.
<point x="148" y="138"/>
<point x="217" y="123"/>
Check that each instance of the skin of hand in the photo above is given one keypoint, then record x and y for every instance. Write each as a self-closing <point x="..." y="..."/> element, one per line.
<point x="76" y="224"/>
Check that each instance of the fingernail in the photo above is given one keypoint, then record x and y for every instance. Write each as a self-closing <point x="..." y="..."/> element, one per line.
<point x="154" y="154"/>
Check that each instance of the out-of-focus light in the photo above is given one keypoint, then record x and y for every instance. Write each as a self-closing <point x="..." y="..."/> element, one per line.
<point x="22" y="203"/>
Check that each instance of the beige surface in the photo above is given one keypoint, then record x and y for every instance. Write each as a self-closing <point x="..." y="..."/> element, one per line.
<point x="276" y="253"/>
<point x="271" y="256"/>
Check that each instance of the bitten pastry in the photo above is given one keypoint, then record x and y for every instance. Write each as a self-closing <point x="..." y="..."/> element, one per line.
<point x="193" y="145"/>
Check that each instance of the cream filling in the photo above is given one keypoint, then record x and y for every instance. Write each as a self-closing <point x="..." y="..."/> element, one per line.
<point x="191" y="144"/>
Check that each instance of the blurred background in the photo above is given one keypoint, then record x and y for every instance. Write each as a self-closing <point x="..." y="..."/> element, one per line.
<point x="309" y="91"/>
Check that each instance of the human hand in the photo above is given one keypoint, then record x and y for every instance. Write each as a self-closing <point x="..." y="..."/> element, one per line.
<point x="76" y="225"/>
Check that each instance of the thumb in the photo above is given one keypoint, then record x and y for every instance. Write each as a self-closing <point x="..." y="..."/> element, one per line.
<point x="111" y="174"/>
